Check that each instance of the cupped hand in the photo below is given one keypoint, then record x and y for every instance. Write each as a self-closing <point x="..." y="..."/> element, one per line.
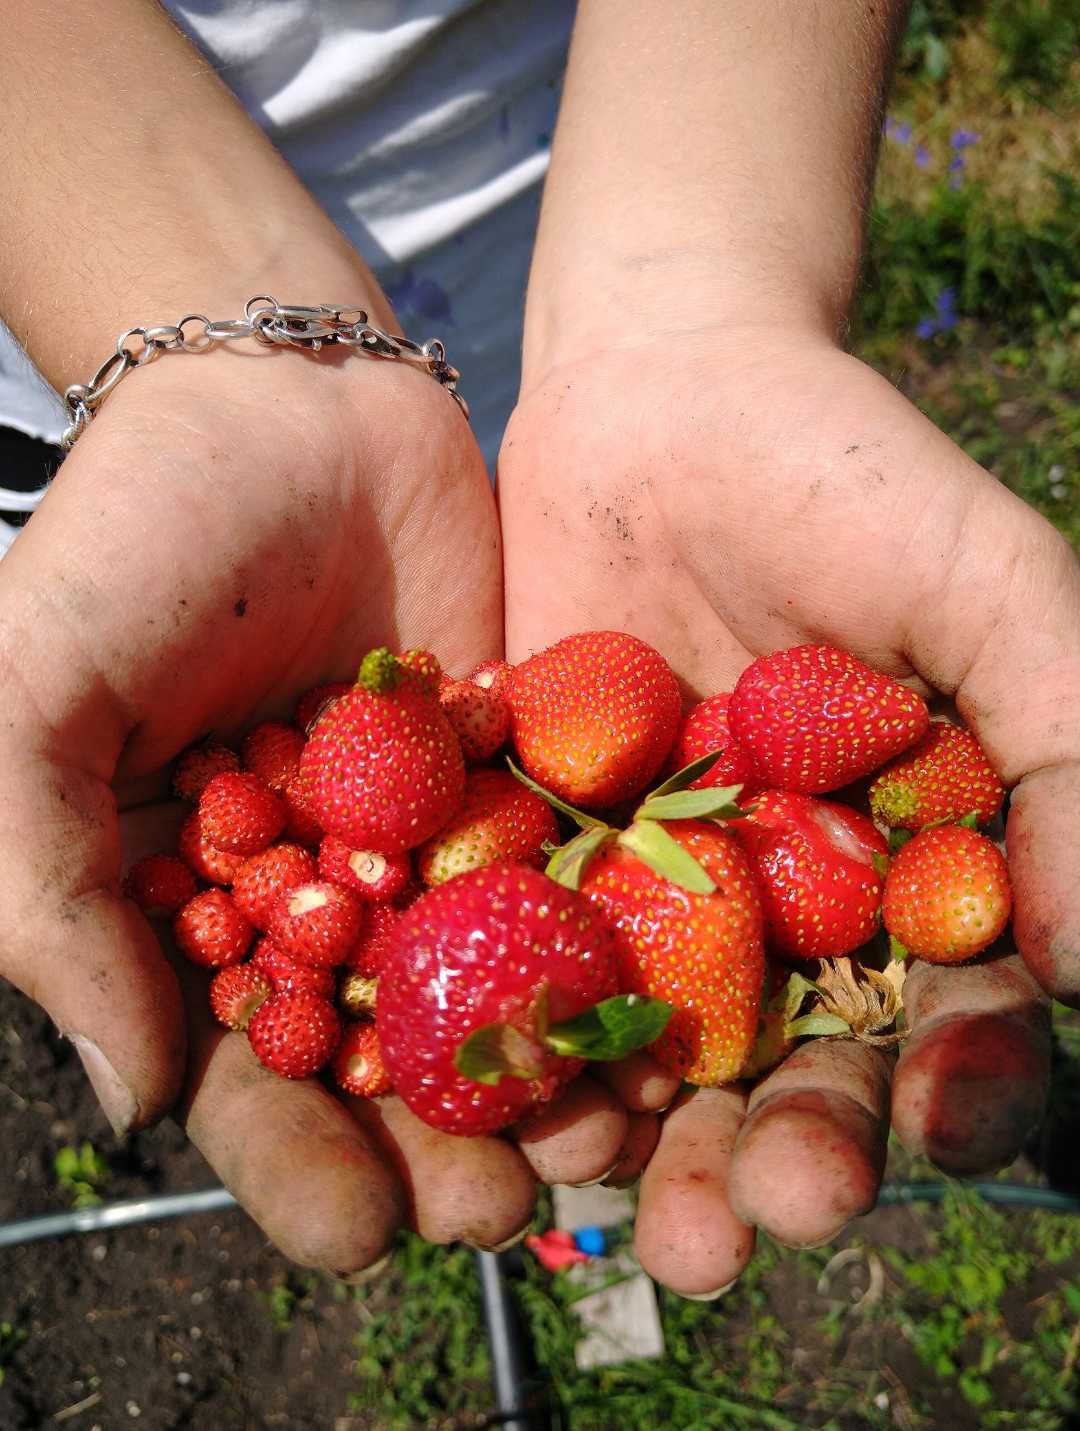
<point x="232" y="529"/>
<point x="725" y="495"/>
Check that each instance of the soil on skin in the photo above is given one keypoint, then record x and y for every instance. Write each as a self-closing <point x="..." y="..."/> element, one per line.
<point x="165" y="1326"/>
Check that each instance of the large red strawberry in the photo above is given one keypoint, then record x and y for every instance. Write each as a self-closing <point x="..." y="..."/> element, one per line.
<point x="382" y="769"/>
<point x="704" y="729"/>
<point x="702" y="952"/>
<point x="820" y="868"/>
<point x="947" y="896"/>
<point x="594" y="716"/>
<point x="486" y="973"/>
<point x="944" y="777"/>
<point x="499" y="820"/>
<point x="294" y="1034"/>
<point x="814" y="718"/>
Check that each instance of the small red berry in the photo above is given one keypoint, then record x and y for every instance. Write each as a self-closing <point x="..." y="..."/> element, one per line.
<point x="491" y="676"/>
<point x="235" y="994"/>
<point x="301" y="826"/>
<point x="198" y="765"/>
<point x="160" y="885"/>
<point x="211" y="931"/>
<point x="239" y="814"/>
<point x="294" y="1034"/>
<point x="262" y="877"/>
<point x="369" y="953"/>
<point x="316" y="702"/>
<point x="479" y="718"/>
<point x="357" y="1065"/>
<point x="365" y="872"/>
<point x="272" y="752"/>
<point x="202" y="858"/>
<point x="317" y="923"/>
<point x="288" y="974"/>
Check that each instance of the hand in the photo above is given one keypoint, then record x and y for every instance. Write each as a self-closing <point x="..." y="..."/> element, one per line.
<point x="739" y="492"/>
<point x="232" y="529"/>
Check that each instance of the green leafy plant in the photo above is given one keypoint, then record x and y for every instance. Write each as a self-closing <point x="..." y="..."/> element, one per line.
<point x="83" y="1173"/>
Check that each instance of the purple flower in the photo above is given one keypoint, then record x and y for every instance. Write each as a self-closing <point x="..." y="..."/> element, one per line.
<point x="922" y="156"/>
<point x="901" y="132"/>
<point x="963" y="138"/>
<point x="944" y="318"/>
<point x="956" y="164"/>
<point x="925" y="328"/>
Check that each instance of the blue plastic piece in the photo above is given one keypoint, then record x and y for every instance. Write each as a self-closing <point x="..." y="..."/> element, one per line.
<point x="591" y="1241"/>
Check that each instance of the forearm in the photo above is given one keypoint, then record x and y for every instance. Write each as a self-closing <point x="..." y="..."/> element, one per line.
<point x="712" y="166"/>
<point x="140" y="190"/>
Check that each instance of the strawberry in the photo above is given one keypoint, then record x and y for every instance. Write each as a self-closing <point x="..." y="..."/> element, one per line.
<point x="262" y="877"/>
<point x="700" y="951"/>
<point x="294" y="1034"/>
<point x="160" y="885"/>
<point x="358" y="1066"/>
<point x="773" y="1043"/>
<point x="301" y="826"/>
<point x="316" y="702"/>
<point x="813" y="718"/>
<point x="479" y="718"/>
<point x="272" y="752"/>
<point x="471" y="998"/>
<point x="423" y="669"/>
<point x="210" y="864"/>
<point x="944" y="777"/>
<point x="316" y="923"/>
<point x="357" y="994"/>
<point x="368" y="954"/>
<point x="491" y="676"/>
<point x="383" y="770"/>
<point x="287" y="974"/>
<point x="704" y="729"/>
<point x="198" y="765"/>
<point x="211" y="931"/>
<point x="235" y="994"/>
<point x="365" y="872"/>
<point x="947" y="895"/>
<point x="239" y="814"/>
<point x="594" y="716"/>
<point x="499" y="820"/>
<point x="815" y="865"/>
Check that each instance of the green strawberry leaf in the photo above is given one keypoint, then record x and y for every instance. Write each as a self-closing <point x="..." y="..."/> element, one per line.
<point x="716" y="802"/>
<point x="688" y="774"/>
<point x="817" y="1026"/>
<point x="896" y="949"/>
<point x="496" y="1051"/>
<point x="898" y="839"/>
<point x="665" y="856"/>
<point x="611" y="1029"/>
<point x="790" y="997"/>
<point x="578" y="816"/>
<point x="970" y="821"/>
<point x="880" y="863"/>
<point x="569" y="862"/>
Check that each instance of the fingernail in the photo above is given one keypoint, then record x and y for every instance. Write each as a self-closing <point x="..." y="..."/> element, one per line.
<point x="503" y="1246"/>
<point x="707" y="1296"/>
<point x="368" y="1274"/>
<point x="118" y="1103"/>
<point x="591" y="1182"/>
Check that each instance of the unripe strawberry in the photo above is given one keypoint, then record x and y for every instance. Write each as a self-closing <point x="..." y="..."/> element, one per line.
<point x="499" y="820"/>
<point x="944" y="777"/>
<point x="211" y="931"/>
<point x="357" y="994"/>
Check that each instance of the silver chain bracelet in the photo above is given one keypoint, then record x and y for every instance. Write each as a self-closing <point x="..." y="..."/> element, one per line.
<point x="267" y="321"/>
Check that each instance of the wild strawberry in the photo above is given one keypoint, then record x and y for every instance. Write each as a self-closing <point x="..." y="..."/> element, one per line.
<point x="357" y="994"/>
<point x="365" y="872"/>
<point x="198" y="765"/>
<point x="423" y="670"/>
<point x="211" y="931"/>
<point x="210" y="864"/>
<point x="500" y="821"/>
<point x="813" y="718"/>
<point x="702" y="952"/>
<point x="315" y="703"/>
<point x="947" y="895"/>
<point x="820" y="868"/>
<point x="368" y="955"/>
<point x="160" y="885"/>
<point x="272" y="752"/>
<point x="294" y="1034"/>
<point x="262" y="877"/>
<point x="594" y="716"/>
<point x="288" y="974"/>
<point x="301" y="826"/>
<point x="480" y="720"/>
<point x="491" y="676"/>
<point x="481" y="972"/>
<point x="239" y="814"/>
<point x="358" y="1066"/>
<point x="317" y="923"/>
<point x="235" y="994"/>
<point x="383" y="770"/>
<point x="704" y="729"/>
<point x="944" y="777"/>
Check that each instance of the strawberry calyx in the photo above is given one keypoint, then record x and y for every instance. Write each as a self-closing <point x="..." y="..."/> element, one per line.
<point x="380" y="671"/>
<point x="609" y="1030"/>
<point x="848" y="1000"/>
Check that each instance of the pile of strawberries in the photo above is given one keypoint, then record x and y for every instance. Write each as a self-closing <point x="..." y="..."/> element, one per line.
<point x="380" y="888"/>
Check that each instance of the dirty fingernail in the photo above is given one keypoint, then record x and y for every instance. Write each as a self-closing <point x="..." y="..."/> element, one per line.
<point x="707" y="1296"/>
<point x="368" y="1274"/>
<point x="118" y="1103"/>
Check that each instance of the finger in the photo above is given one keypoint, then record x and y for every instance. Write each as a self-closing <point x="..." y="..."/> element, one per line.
<point x="638" y="1146"/>
<point x="1043" y="836"/>
<point x="576" y="1139"/>
<point x="638" y="1082"/>
<point x="320" y="1188"/>
<point x="972" y="1078"/>
<point x="812" y="1150"/>
<point x="475" y="1190"/>
<point x="687" y="1235"/>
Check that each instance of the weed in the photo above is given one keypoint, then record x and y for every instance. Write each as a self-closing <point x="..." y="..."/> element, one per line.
<point x="82" y="1173"/>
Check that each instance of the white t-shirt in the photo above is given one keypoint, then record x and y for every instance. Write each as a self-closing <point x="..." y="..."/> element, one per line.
<point x="423" y="127"/>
